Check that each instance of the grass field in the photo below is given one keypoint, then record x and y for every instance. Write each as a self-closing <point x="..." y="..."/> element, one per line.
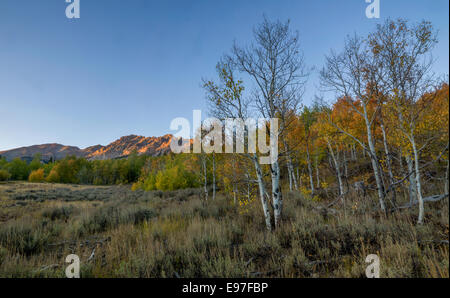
<point x="120" y="233"/>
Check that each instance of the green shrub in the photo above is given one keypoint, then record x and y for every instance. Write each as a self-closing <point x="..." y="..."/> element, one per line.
<point x="4" y="175"/>
<point x="3" y="253"/>
<point x="111" y="217"/>
<point x="18" y="169"/>
<point x="61" y="213"/>
<point x="23" y="238"/>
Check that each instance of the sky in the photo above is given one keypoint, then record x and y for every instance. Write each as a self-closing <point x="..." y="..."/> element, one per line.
<point x="130" y="67"/>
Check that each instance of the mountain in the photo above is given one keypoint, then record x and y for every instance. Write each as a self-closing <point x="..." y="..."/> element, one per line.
<point x="48" y="151"/>
<point x="124" y="146"/>
<point x="153" y="146"/>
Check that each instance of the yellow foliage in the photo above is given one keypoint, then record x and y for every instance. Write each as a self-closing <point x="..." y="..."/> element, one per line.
<point x="37" y="176"/>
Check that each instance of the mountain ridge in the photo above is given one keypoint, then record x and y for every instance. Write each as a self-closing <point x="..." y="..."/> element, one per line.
<point x="122" y="147"/>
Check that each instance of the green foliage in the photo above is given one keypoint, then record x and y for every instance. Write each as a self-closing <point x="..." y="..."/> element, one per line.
<point x="18" y="169"/>
<point x="170" y="172"/>
<point x="4" y="175"/>
<point x="23" y="238"/>
<point x="3" y="162"/>
<point x="111" y="216"/>
<point x="172" y="175"/>
<point x="35" y="163"/>
<point x="62" y="213"/>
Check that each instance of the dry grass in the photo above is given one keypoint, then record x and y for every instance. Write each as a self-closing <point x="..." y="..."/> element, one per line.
<point x="169" y="234"/>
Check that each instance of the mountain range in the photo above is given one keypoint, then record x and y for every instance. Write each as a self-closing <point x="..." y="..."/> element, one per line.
<point x="153" y="146"/>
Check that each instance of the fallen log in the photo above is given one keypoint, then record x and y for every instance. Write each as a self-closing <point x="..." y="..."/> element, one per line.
<point x="434" y="198"/>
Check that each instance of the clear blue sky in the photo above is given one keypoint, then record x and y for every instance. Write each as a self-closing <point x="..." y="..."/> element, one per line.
<point x="130" y="67"/>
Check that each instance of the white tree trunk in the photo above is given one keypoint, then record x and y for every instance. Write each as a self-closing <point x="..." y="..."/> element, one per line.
<point x="292" y="179"/>
<point x="262" y="192"/>
<point x="412" y="179"/>
<point x="311" y="180"/>
<point x="419" y="186"/>
<point x="299" y="178"/>
<point x="389" y="165"/>
<point x="374" y="161"/>
<point x="338" y="168"/>
<point x="345" y="169"/>
<point x="277" y="197"/>
<point x="205" y="183"/>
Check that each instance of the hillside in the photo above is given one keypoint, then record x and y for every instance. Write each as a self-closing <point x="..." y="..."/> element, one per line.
<point x="153" y="146"/>
<point x="48" y="151"/>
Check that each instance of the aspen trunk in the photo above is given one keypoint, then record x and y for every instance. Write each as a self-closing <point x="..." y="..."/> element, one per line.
<point x="277" y="197"/>
<point x="389" y="165"/>
<point x="290" y="167"/>
<point x="262" y="193"/>
<point x="311" y="180"/>
<point x="412" y="176"/>
<point x="294" y="180"/>
<point x="205" y="183"/>
<point x="290" y="179"/>
<point x="419" y="186"/>
<point x="345" y="169"/>
<point x="300" y="178"/>
<point x="353" y="152"/>
<point x="374" y="161"/>
<point x="336" y="165"/>
<point x="412" y="180"/>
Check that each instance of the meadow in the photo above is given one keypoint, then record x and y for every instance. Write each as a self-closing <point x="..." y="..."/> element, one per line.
<point x="118" y="232"/>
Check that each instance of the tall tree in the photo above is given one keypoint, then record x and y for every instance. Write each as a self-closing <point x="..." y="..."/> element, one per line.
<point x="275" y="64"/>
<point x="353" y="76"/>
<point x="402" y="55"/>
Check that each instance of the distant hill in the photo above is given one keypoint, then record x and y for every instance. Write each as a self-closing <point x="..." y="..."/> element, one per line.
<point x="153" y="146"/>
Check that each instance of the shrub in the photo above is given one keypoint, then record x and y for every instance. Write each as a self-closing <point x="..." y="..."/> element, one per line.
<point x="18" y="169"/>
<point x="53" y="177"/>
<point x="110" y="217"/>
<point x="23" y="238"/>
<point x="3" y="254"/>
<point x="58" y="213"/>
<point x="4" y="175"/>
<point x="36" y="176"/>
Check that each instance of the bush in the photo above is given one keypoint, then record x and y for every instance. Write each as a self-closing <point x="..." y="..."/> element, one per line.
<point x="23" y="238"/>
<point x="4" y="175"/>
<point x="18" y="169"/>
<point x="53" y="177"/>
<point x="58" y="213"/>
<point x="36" y="176"/>
<point x="110" y="217"/>
<point x="3" y="254"/>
